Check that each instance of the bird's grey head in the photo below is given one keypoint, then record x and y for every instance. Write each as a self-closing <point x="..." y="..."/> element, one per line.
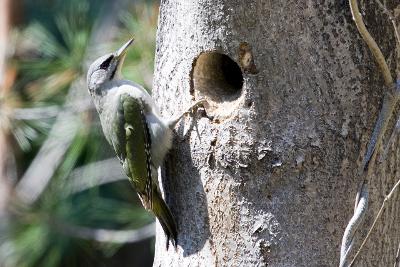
<point x="106" y="68"/>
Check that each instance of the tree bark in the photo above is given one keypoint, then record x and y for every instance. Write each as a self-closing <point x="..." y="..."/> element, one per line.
<point x="268" y="174"/>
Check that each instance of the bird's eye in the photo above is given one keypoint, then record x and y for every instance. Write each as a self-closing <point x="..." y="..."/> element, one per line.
<point x="106" y="63"/>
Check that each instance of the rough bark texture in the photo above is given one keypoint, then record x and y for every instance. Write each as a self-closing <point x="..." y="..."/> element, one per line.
<point x="271" y="178"/>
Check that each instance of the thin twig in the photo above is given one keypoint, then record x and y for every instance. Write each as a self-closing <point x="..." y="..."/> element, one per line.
<point x="375" y="220"/>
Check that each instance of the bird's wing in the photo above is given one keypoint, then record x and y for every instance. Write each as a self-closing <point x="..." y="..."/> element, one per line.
<point x="132" y="143"/>
<point x="135" y="153"/>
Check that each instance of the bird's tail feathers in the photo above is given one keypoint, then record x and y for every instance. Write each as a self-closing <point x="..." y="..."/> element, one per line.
<point x="166" y="219"/>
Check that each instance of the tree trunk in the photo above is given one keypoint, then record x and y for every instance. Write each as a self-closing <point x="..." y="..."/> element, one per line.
<point x="268" y="174"/>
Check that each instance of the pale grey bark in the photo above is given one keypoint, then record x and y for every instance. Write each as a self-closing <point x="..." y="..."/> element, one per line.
<point x="270" y="177"/>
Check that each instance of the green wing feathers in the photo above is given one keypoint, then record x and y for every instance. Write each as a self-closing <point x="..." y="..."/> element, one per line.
<point x="138" y="165"/>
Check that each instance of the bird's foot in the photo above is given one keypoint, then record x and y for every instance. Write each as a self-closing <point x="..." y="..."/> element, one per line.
<point x="172" y="123"/>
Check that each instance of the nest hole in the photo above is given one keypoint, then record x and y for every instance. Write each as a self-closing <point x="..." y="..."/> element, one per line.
<point x="217" y="77"/>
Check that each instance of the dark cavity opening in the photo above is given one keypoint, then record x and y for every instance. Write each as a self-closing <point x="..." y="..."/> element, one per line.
<point x="217" y="77"/>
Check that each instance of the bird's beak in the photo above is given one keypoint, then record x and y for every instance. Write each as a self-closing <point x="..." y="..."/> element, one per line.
<point x="122" y="51"/>
<point x="120" y="54"/>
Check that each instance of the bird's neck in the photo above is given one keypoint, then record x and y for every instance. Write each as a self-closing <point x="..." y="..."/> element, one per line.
<point x="103" y="93"/>
<point x="100" y="95"/>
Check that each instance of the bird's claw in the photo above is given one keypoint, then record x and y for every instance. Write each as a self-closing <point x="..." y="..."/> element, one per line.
<point x="172" y="123"/>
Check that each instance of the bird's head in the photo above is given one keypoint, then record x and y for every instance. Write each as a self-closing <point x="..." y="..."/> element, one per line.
<point x="106" y="68"/>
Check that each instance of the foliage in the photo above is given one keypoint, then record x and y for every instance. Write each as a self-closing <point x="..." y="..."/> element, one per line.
<point x="48" y="58"/>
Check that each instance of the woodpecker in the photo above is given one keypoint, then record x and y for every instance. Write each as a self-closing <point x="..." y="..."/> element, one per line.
<point x="133" y="126"/>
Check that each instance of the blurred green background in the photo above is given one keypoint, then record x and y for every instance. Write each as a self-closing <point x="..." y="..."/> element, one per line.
<point x="63" y="198"/>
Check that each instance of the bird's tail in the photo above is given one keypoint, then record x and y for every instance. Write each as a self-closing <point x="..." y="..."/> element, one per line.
<point x="164" y="216"/>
